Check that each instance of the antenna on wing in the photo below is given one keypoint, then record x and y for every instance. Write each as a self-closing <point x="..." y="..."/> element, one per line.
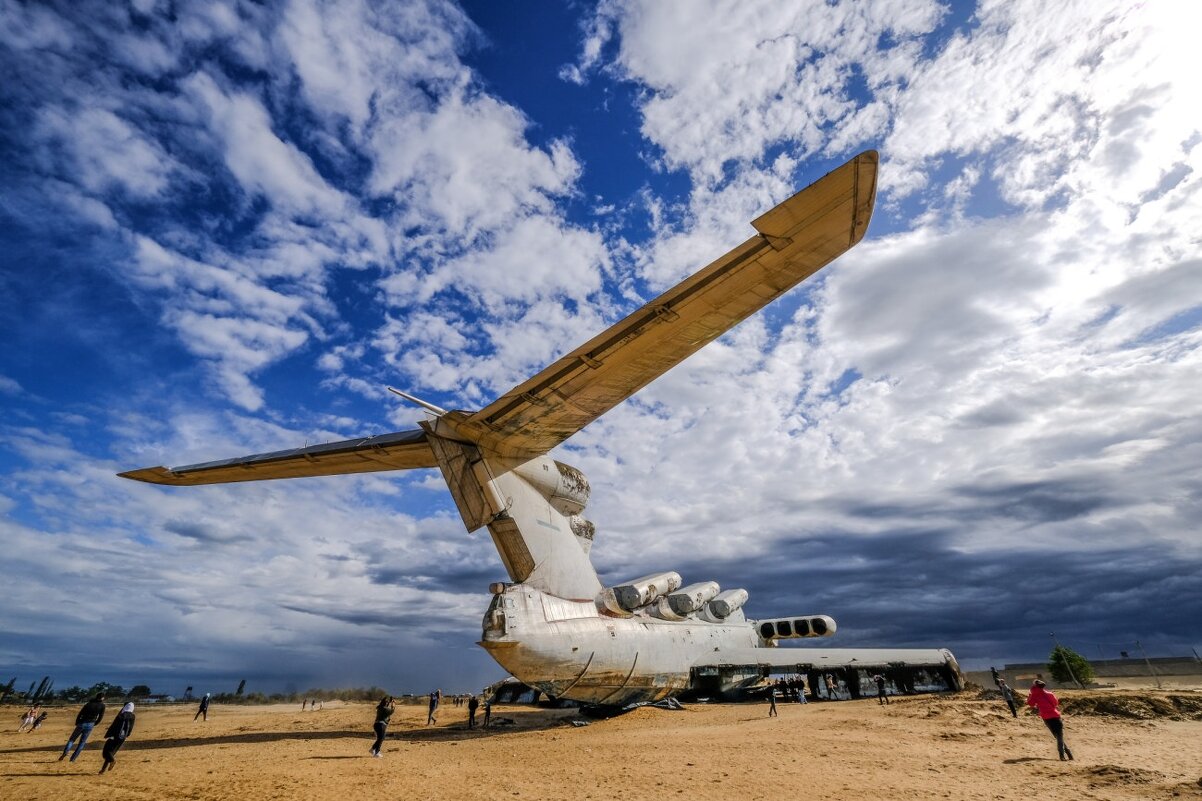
<point x="430" y="407"/>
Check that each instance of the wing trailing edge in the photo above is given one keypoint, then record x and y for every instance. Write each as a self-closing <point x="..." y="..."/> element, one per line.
<point x="401" y="450"/>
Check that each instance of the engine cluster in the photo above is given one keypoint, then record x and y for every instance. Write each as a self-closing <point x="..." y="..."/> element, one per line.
<point x="661" y="595"/>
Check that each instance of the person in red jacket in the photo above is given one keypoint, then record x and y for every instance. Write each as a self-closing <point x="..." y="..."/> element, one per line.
<point x="1049" y="709"/>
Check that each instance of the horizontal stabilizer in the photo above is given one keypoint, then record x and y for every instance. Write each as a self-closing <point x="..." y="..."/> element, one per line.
<point x="401" y="450"/>
<point x="796" y="239"/>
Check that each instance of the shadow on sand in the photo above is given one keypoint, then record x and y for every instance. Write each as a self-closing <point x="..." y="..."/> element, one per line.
<point x="433" y="734"/>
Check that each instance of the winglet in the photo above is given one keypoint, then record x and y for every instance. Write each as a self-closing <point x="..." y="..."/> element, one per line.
<point x="430" y="407"/>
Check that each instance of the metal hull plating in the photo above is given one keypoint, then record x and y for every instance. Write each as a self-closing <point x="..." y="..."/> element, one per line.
<point x="569" y="649"/>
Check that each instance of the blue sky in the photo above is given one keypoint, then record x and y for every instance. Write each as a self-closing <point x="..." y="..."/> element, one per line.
<point x="225" y="227"/>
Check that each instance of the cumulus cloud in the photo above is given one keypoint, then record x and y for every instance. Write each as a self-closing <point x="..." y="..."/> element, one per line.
<point x="280" y="207"/>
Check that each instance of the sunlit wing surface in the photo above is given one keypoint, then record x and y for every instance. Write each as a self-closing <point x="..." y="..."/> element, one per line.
<point x="824" y="657"/>
<point x="398" y="451"/>
<point x="796" y="239"/>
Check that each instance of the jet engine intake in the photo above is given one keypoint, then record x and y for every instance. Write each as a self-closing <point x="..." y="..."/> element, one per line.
<point x="790" y="628"/>
<point x="628" y="596"/>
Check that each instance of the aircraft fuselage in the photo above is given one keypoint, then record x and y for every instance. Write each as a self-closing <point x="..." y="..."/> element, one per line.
<point x="571" y="649"/>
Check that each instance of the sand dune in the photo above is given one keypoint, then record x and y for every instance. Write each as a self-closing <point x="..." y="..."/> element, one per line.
<point x="1129" y="744"/>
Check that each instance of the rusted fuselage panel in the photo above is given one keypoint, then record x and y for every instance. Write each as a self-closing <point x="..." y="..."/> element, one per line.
<point x="568" y="649"/>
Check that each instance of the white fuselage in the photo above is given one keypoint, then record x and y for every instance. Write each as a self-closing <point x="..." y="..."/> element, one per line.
<point x="571" y="649"/>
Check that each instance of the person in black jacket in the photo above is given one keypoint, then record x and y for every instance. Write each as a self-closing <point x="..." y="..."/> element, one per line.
<point x="473" y="704"/>
<point x="121" y="727"/>
<point x="383" y="713"/>
<point x="203" y="709"/>
<point x="89" y="716"/>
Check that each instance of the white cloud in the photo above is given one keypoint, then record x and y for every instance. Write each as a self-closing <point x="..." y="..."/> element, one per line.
<point x="261" y="161"/>
<point x="103" y="152"/>
<point x="729" y="80"/>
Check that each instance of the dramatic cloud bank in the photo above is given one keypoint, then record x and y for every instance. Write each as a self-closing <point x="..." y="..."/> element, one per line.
<point x="227" y="225"/>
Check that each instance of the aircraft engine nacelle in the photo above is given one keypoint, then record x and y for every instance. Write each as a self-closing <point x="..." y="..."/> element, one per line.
<point x="723" y="605"/>
<point x="685" y="601"/>
<point x="628" y="596"/>
<point x="789" y="628"/>
<point x="564" y="487"/>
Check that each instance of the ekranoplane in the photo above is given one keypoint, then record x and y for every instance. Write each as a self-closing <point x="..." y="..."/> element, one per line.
<point x="553" y="625"/>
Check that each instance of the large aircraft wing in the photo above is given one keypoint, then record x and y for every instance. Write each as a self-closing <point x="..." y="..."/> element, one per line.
<point x="820" y="658"/>
<point x="397" y="451"/>
<point x="796" y="239"/>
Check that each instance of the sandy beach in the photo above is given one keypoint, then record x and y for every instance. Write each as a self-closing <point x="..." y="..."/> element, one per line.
<point x="1129" y="743"/>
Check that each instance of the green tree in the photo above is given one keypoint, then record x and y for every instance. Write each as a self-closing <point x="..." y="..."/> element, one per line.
<point x="1065" y="665"/>
<point x="139" y="691"/>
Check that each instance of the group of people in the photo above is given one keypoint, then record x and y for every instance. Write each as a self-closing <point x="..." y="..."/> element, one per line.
<point x="387" y="706"/>
<point x="1046" y="704"/>
<point x="796" y="689"/>
<point x="89" y="717"/>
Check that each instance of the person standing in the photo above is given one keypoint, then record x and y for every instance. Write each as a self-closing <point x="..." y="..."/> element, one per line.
<point x="204" y="707"/>
<point x="384" y="711"/>
<point x="1008" y="696"/>
<point x="89" y="716"/>
<point x="801" y="690"/>
<point x="772" y="701"/>
<point x="487" y="711"/>
<point x="830" y="686"/>
<point x="121" y="727"/>
<point x="1049" y="709"/>
<point x="881" y="698"/>
<point x="473" y="703"/>
<point x="435" y="697"/>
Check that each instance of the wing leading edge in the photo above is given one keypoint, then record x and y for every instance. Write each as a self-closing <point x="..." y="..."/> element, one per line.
<point x="796" y="239"/>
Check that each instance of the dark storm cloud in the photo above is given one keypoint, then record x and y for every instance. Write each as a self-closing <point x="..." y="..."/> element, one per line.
<point x="917" y="589"/>
<point x="354" y="617"/>
<point x="1036" y="501"/>
<point x="204" y="533"/>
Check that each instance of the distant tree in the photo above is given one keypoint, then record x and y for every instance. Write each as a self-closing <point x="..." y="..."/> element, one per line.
<point x="72" y="693"/>
<point x="139" y="691"/>
<point x="1065" y="665"/>
<point x="241" y="687"/>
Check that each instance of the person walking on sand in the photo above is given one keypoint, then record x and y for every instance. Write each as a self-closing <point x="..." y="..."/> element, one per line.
<point x="801" y="691"/>
<point x="121" y="727"/>
<point x="384" y="711"/>
<point x="473" y="704"/>
<point x="203" y="709"/>
<point x="830" y="687"/>
<point x="432" y="717"/>
<point x="1049" y="709"/>
<point x="1008" y="696"/>
<point x="881" y="698"/>
<point x="772" y="701"/>
<point x="88" y="718"/>
<point x="487" y="711"/>
<point x="28" y="718"/>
